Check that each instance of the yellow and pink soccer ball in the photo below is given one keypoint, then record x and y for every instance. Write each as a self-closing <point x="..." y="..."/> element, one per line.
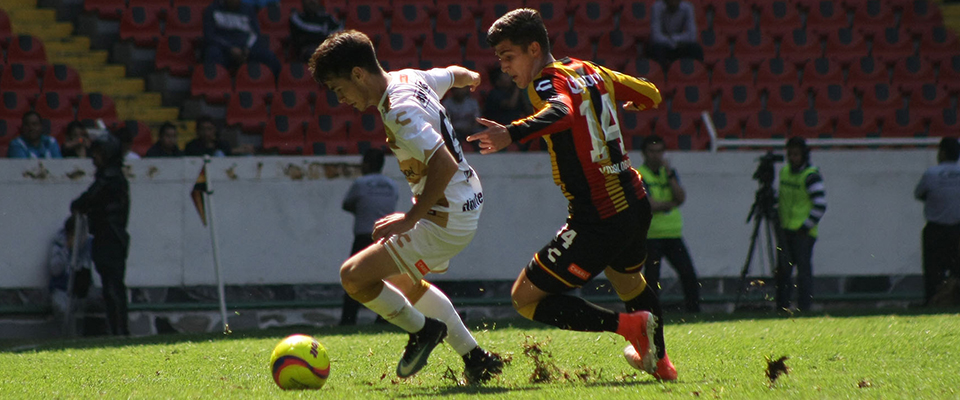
<point x="300" y="362"/>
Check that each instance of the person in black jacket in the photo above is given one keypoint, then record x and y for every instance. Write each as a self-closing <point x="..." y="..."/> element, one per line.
<point x="107" y="206"/>
<point x="308" y="28"/>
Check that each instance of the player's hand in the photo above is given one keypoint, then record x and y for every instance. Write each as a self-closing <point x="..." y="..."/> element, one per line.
<point x="475" y="80"/>
<point x="629" y="106"/>
<point x="492" y="139"/>
<point x="393" y="224"/>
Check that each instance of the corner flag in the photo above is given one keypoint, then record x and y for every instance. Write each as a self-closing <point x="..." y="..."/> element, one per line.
<point x="199" y="188"/>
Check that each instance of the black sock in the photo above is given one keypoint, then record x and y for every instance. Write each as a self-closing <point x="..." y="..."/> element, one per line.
<point x="648" y="301"/>
<point x="575" y="314"/>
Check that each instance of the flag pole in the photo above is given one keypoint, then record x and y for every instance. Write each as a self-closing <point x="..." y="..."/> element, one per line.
<point x="208" y="199"/>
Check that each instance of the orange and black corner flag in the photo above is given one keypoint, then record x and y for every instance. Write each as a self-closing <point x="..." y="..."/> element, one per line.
<point x="199" y="188"/>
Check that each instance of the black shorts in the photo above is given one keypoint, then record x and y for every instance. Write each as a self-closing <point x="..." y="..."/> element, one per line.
<point x="582" y="250"/>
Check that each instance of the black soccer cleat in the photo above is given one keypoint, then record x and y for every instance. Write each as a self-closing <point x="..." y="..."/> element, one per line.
<point x="480" y="366"/>
<point x="419" y="346"/>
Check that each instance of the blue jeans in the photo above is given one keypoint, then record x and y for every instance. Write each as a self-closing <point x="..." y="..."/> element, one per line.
<point x="797" y="251"/>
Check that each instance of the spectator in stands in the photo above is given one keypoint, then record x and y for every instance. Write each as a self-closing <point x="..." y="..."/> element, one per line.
<point x="258" y="4"/>
<point x="665" y="236"/>
<point x="309" y="27"/>
<point x="59" y="265"/>
<point x="939" y="190"/>
<point x="166" y="145"/>
<point x="32" y="143"/>
<point x="673" y="32"/>
<point x="208" y="142"/>
<point x="505" y="103"/>
<point x="76" y="143"/>
<point x="371" y="197"/>
<point x="126" y="135"/>
<point x="106" y="204"/>
<point x="802" y="202"/>
<point x="462" y="111"/>
<point x="231" y="34"/>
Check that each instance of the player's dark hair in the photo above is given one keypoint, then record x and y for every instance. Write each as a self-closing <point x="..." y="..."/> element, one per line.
<point x="650" y="140"/>
<point x="521" y="27"/>
<point x="340" y="53"/>
<point x="23" y="118"/>
<point x="373" y="160"/>
<point x="74" y="125"/>
<point x="166" y="125"/>
<point x="69" y="224"/>
<point x="950" y="148"/>
<point x="801" y="144"/>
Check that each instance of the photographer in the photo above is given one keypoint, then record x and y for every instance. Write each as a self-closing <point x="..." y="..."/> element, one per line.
<point x="802" y="203"/>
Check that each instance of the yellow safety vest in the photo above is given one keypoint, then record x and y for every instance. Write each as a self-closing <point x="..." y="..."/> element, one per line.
<point x="795" y="203"/>
<point x="666" y="224"/>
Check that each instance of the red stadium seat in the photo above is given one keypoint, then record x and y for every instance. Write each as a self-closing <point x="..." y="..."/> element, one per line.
<point x="811" y="124"/>
<point x="283" y="136"/>
<point x="880" y="96"/>
<point x="247" y="110"/>
<point x="27" y="50"/>
<point x="856" y="124"/>
<point x="478" y="55"/>
<point x="185" y="20"/>
<point x="257" y="79"/>
<point x="615" y="49"/>
<point x="738" y="98"/>
<point x="845" y="46"/>
<point x="274" y="21"/>
<point x="786" y="99"/>
<point x="327" y="134"/>
<point x="634" y="18"/>
<point x="176" y="55"/>
<point x="593" y="18"/>
<point x="327" y="104"/>
<point x="412" y="18"/>
<point x="572" y="44"/>
<point x="822" y="70"/>
<point x="140" y="27"/>
<point x="295" y="108"/>
<point x="715" y="46"/>
<point x="731" y="15"/>
<point x="950" y="73"/>
<point x="892" y="44"/>
<point x="799" y="46"/>
<point x="754" y="47"/>
<point x="910" y="73"/>
<point x="872" y="14"/>
<point x="368" y="127"/>
<point x="731" y="71"/>
<point x="774" y="72"/>
<point x="157" y="8"/>
<point x="489" y="11"/>
<point x="765" y="124"/>
<point x="456" y="19"/>
<point x="728" y="125"/>
<point x="937" y="42"/>
<point x="55" y="107"/>
<point x="212" y="82"/>
<point x="13" y="105"/>
<point x="902" y="123"/>
<point x="921" y="13"/>
<point x="63" y="79"/>
<point x="687" y="71"/>
<point x="691" y="98"/>
<point x="867" y="71"/>
<point x="831" y="96"/>
<point x="647" y="69"/>
<point x="826" y="16"/>
<point x="368" y="17"/>
<point x="19" y="78"/>
<point x="9" y="130"/>
<point x="440" y="51"/>
<point x="296" y="77"/>
<point x="397" y="52"/>
<point x="779" y="18"/>
<point x="554" y="13"/>
<point x="637" y="124"/>
<point x="944" y="124"/>
<point x="929" y="99"/>
<point x="6" y="30"/>
<point x="105" y="9"/>
<point x="94" y="106"/>
<point x="678" y="130"/>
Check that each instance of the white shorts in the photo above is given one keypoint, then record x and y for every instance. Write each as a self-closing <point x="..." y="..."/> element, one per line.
<point x="428" y="248"/>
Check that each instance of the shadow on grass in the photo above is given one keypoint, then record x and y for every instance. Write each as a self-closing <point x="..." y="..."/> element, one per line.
<point x="505" y="390"/>
<point x="26" y="345"/>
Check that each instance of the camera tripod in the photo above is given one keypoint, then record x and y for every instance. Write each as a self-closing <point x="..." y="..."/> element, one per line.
<point x="764" y="215"/>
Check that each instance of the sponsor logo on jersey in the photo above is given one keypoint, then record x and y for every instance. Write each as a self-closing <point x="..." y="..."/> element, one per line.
<point x="578" y="84"/>
<point x="615" y="168"/>
<point x="474" y="203"/>
<point x="544" y="85"/>
<point x="422" y="267"/>
<point x="579" y="272"/>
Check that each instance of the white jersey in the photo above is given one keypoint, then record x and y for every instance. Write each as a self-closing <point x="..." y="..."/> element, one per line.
<point x="416" y="126"/>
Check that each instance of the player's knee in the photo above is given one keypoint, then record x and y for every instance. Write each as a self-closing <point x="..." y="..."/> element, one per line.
<point x="349" y="278"/>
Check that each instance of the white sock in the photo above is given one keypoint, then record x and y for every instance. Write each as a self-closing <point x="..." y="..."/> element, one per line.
<point x="436" y="304"/>
<point x="396" y="309"/>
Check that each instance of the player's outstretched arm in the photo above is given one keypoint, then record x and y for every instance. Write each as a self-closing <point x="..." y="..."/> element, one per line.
<point x="440" y="169"/>
<point x="464" y="77"/>
<point x="492" y="139"/>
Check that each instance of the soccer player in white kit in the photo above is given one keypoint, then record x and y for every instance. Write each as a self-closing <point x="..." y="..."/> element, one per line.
<point x="387" y="277"/>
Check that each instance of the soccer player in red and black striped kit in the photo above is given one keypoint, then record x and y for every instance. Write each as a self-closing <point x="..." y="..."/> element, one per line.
<point x="609" y="213"/>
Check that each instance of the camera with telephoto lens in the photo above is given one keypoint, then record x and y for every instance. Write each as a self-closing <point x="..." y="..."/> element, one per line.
<point x="765" y="172"/>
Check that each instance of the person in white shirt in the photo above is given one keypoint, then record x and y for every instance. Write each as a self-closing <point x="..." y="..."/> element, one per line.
<point x="387" y="277"/>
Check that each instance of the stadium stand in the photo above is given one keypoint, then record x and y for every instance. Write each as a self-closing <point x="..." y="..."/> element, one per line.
<point x="56" y="108"/>
<point x="141" y="26"/>
<point x="296" y="108"/>
<point x="247" y="110"/>
<point x="211" y="82"/>
<point x="94" y="106"/>
<point x="27" y="50"/>
<point x="176" y="55"/>
<point x="21" y="79"/>
<point x="296" y="77"/>
<point x="185" y="20"/>
<point x="634" y="18"/>
<point x="799" y="46"/>
<point x="13" y="105"/>
<point x="765" y="124"/>
<point x="691" y="98"/>
<point x="283" y="136"/>
<point x="257" y="79"/>
<point x="64" y="80"/>
<point x="778" y="18"/>
<point x="615" y="49"/>
<point x="773" y="72"/>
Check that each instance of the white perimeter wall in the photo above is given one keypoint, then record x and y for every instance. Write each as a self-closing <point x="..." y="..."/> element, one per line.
<point x="274" y="229"/>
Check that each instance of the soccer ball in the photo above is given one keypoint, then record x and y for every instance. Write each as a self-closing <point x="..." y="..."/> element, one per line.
<point x="300" y="362"/>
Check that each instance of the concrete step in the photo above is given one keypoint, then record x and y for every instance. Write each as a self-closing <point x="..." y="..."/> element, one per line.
<point x="139" y="100"/>
<point x="25" y="15"/>
<point x="153" y="116"/>
<point x="91" y="58"/>
<point x="46" y="31"/>
<point x="105" y="71"/>
<point x="114" y="86"/>
<point x="18" y="4"/>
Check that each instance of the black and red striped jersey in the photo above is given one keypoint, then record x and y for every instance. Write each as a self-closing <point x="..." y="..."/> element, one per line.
<point x="576" y="103"/>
